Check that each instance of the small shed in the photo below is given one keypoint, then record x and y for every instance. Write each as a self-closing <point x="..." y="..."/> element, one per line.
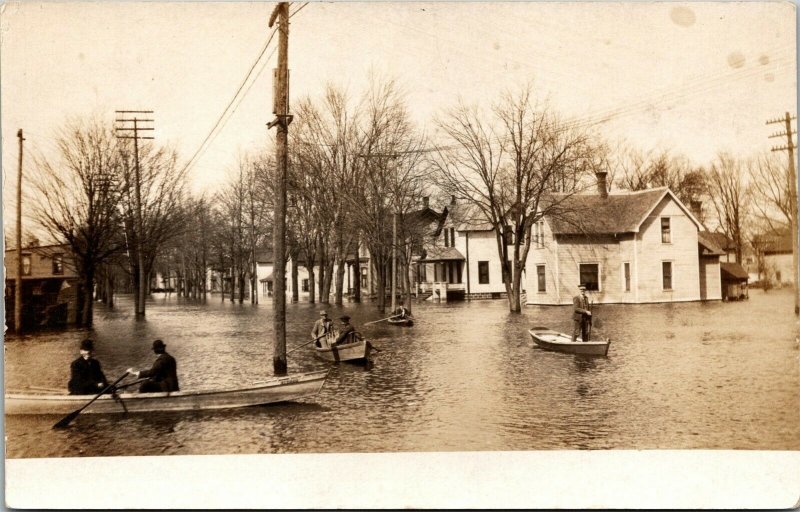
<point x="734" y="281"/>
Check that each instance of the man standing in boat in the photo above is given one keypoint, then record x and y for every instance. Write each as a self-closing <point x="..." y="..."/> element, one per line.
<point x="347" y="334"/>
<point x="322" y="327"/>
<point x="163" y="376"/>
<point x="581" y="315"/>
<point x="86" y="376"/>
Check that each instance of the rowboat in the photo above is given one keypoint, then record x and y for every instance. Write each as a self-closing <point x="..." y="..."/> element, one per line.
<point x="277" y="389"/>
<point x="358" y="351"/>
<point x="560" y="342"/>
<point x="401" y="322"/>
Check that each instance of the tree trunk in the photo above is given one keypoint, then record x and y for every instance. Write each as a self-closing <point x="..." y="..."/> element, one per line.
<point x="357" y="277"/>
<point x="88" y="300"/>
<point x="339" y="281"/>
<point x="325" y="296"/>
<point x="295" y="278"/>
<point x="323" y="263"/>
<point x="311" y="295"/>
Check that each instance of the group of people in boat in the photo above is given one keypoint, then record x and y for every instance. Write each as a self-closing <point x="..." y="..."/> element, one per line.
<point x="324" y="331"/>
<point x="87" y="378"/>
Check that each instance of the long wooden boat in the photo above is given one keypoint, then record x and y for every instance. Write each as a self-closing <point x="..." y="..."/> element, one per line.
<point x="357" y="351"/>
<point x="560" y="342"/>
<point x="401" y="322"/>
<point x="277" y="389"/>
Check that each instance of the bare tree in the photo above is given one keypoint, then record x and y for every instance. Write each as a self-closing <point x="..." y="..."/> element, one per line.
<point x="769" y="189"/>
<point x="728" y="190"/>
<point x="509" y="166"/>
<point x="77" y="196"/>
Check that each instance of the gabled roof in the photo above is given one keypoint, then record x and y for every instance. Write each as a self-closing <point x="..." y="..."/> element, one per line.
<point x="709" y="242"/>
<point x="465" y="217"/>
<point x="733" y="271"/>
<point x="421" y="217"/>
<point x="582" y="214"/>
<point x="721" y="240"/>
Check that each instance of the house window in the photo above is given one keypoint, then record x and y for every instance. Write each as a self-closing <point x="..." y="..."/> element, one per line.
<point x="446" y="237"/>
<point x="538" y="237"/>
<point x="364" y="277"/>
<point x="305" y="285"/>
<point x="452" y="237"/>
<point x="590" y="276"/>
<point x="483" y="272"/>
<point x="423" y="273"/>
<point x="541" y="278"/>
<point x="508" y="235"/>
<point x="626" y="272"/>
<point x="58" y="264"/>
<point x="666" y="236"/>
<point x="666" y="275"/>
<point x="26" y="264"/>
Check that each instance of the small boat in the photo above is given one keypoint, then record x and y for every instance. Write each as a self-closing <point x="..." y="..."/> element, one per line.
<point x="401" y="322"/>
<point x="560" y="342"/>
<point x="277" y="389"/>
<point x="357" y="351"/>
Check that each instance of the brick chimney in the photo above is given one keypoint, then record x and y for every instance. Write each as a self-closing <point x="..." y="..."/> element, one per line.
<point x="452" y="199"/>
<point x="602" y="187"/>
<point x="425" y="202"/>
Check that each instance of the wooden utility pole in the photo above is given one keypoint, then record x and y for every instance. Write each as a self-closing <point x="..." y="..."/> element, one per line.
<point x="281" y="121"/>
<point x="123" y="125"/>
<point x="18" y="282"/>
<point x="792" y="178"/>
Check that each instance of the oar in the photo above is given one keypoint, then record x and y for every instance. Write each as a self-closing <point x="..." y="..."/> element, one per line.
<point x="382" y="319"/>
<point x="304" y="344"/>
<point x="66" y="420"/>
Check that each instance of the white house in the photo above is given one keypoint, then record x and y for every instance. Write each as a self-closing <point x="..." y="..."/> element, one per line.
<point x="632" y="247"/>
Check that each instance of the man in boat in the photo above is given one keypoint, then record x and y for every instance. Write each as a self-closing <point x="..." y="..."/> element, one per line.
<point x="400" y="313"/>
<point x="163" y="376"/>
<point x="581" y="315"/>
<point x="86" y="376"/>
<point x="322" y="327"/>
<point x="347" y="334"/>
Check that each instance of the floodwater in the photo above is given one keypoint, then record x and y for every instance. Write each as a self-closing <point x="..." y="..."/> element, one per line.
<point x="466" y="377"/>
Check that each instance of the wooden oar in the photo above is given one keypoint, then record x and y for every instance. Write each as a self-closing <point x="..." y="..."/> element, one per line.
<point x="66" y="420"/>
<point x="51" y="390"/>
<point x="382" y="319"/>
<point x="304" y="344"/>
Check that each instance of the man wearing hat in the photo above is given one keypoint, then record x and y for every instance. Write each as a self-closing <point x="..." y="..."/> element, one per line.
<point x="322" y="327"/>
<point x="581" y="316"/>
<point x="347" y="334"/>
<point x="163" y="376"/>
<point x="86" y="376"/>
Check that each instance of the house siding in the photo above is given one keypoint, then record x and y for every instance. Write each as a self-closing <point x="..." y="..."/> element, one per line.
<point x="482" y="247"/>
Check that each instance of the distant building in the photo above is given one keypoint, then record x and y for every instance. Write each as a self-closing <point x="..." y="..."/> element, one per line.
<point x="633" y="247"/>
<point x="774" y="251"/>
<point x="50" y="286"/>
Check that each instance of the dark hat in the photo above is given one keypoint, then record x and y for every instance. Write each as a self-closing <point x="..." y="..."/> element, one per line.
<point x="158" y="345"/>
<point x="344" y="318"/>
<point x="582" y="287"/>
<point x="87" y="344"/>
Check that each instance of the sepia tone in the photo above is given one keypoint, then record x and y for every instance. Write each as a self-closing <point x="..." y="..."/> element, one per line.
<point x="534" y="227"/>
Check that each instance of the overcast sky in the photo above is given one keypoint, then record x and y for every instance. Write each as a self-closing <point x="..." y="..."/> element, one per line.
<point x="695" y="78"/>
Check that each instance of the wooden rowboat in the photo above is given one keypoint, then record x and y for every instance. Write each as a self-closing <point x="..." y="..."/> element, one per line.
<point x="277" y="389"/>
<point x="357" y="351"/>
<point x="560" y="342"/>
<point x="401" y="322"/>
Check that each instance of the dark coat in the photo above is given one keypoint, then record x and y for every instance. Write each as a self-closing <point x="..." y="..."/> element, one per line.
<point x="163" y="376"/>
<point x="348" y="334"/>
<point x="581" y="307"/>
<point x="85" y="375"/>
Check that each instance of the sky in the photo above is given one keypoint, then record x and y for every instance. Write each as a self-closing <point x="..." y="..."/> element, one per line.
<point x="694" y="78"/>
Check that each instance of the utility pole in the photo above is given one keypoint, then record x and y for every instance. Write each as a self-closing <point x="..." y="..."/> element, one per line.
<point x="792" y="178"/>
<point x="124" y="120"/>
<point x="18" y="282"/>
<point x="282" y="121"/>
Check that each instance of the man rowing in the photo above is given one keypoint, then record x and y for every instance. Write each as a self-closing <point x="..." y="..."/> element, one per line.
<point x="347" y="334"/>
<point x="163" y="376"/>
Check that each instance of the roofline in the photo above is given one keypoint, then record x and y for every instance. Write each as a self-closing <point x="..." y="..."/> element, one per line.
<point x="33" y="248"/>
<point x="661" y="198"/>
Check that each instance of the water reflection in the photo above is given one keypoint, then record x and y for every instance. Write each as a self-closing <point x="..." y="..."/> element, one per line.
<point x="466" y="377"/>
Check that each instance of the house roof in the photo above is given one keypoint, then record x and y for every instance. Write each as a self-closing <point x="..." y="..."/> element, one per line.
<point x="721" y="240"/>
<point x="443" y="254"/>
<point x="733" y="271"/>
<point x="582" y="214"/>
<point x="707" y="240"/>
<point x="466" y="217"/>
<point x="775" y="243"/>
